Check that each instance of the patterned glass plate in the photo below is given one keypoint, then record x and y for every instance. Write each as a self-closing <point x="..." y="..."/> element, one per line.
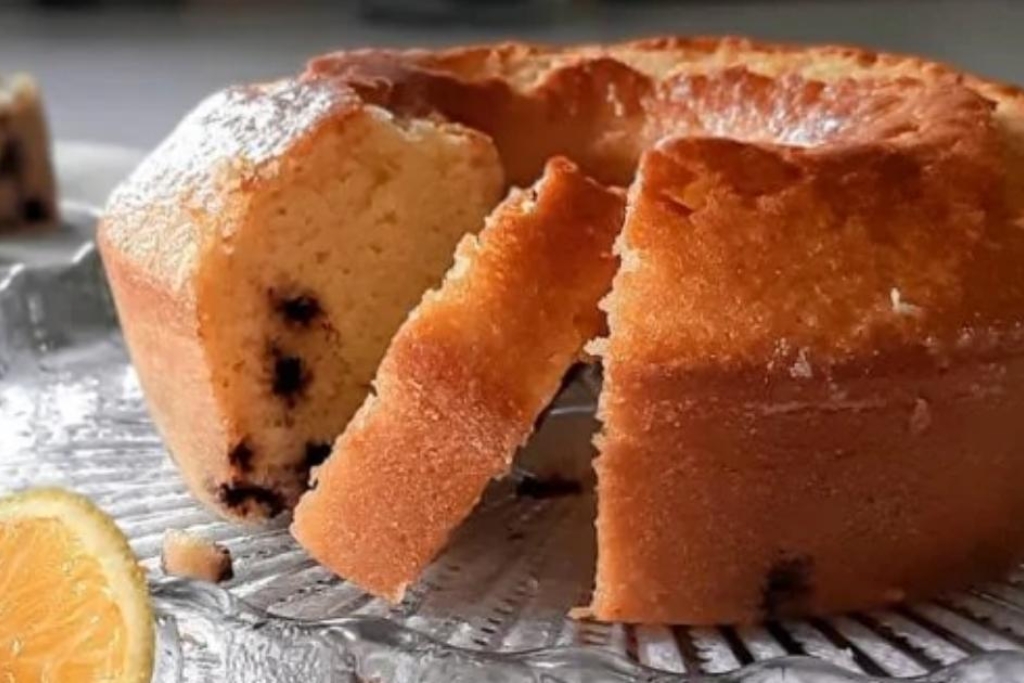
<point x="491" y="608"/>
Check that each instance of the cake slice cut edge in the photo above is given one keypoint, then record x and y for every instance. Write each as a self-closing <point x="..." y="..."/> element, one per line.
<point x="463" y="382"/>
<point x="262" y="258"/>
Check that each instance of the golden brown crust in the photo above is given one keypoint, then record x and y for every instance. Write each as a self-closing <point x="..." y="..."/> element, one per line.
<point x="457" y="393"/>
<point x="568" y="113"/>
<point x="738" y="496"/>
<point x="846" y="249"/>
<point x="596" y="104"/>
<point x="170" y="364"/>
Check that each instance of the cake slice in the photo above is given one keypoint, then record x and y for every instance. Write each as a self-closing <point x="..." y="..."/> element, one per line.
<point x="261" y="260"/>
<point x="192" y="556"/>
<point x="463" y="382"/>
<point x="27" y="193"/>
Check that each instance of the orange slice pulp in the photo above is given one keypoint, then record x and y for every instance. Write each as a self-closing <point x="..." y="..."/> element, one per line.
<point x="73" y="601"/>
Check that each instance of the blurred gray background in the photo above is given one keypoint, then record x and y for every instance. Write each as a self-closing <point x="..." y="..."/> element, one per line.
<point x="123" y="74"/>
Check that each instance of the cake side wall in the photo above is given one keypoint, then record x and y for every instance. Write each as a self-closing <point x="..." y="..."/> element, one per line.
<point x="811" y="379"/>
<point x="161" y="331"/>
<point x="741" y="497"/>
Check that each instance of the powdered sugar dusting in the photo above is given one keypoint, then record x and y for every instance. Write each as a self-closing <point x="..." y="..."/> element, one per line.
<point x="236" y="131"/>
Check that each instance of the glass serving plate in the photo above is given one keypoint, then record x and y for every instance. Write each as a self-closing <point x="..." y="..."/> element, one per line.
<point x="491" y="608"/>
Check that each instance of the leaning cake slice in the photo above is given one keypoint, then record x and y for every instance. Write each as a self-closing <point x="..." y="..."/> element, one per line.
<point x="463" y="382"/>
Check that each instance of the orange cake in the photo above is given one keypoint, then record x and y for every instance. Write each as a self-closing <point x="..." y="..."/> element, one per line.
<point x="463" y="382"/>
<point x="811" y="360"/>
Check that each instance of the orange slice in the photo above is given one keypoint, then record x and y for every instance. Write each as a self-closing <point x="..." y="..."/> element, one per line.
<point x="73" y="600"/>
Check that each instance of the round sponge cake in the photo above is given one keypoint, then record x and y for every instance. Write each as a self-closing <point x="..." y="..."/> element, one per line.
<point x="812" y="384"/>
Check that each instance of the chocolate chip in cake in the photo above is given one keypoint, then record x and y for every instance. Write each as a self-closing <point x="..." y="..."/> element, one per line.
<point x="548" y="487"/>
<point x="290" y="375"/>
<point x="34" y="211"/>
<point x="241" y="456"/>
<point x="299" y="310"/>
<point x="239" y="495"/>
<point x="227" y="570"/>
<point x="786" y="586"/>
<point x="317" y="452"/>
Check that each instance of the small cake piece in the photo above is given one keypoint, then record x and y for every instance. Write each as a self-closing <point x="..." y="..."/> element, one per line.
<point x="463" y="382"/>
<point x="192" y="556"/>
<point x="27" y="192"/>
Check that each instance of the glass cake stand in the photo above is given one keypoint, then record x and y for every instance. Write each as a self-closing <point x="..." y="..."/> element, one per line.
<point x="491" y="608"/>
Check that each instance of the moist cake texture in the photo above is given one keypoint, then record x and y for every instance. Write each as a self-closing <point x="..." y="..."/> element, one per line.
<point x="262" y="258"/>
